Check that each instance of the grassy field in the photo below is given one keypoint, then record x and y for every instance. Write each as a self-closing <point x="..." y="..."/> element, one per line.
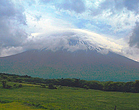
<point x="33" y="97"/>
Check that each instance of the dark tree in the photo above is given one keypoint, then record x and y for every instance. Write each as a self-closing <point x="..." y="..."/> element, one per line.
<point x="137" y="86"/>
<point x="129" y="87"/>
<point x="4" y="84"/>
<point x="115" y="107"/>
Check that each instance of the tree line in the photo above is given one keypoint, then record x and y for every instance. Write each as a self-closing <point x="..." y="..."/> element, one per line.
<point x="74" y="82"/>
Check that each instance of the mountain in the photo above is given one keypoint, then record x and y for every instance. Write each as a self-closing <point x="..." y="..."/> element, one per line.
<point x="84" y="64"/>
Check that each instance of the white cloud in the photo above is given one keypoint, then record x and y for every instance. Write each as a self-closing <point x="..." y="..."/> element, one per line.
<point x="77" y="6"/>
<point x="11" y="21"/>
<point x="7" y="51"/>
<point x="46" y="24"/>
<point x="134" y="38"/>
<point x="60" y="39"/>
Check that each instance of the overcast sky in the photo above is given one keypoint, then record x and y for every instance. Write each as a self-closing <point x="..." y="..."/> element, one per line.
<point x="36" y="24"/>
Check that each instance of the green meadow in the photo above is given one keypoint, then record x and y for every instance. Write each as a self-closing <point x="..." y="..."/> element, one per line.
<point x="34" y="97"/>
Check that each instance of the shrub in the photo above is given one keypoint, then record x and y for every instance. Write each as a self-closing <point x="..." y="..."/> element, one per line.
<point x="51" y="86"/>
<point x="86" y="87"/>
<point x="20" y="85"/>
<point x="8" y="86"/>
<point x="43" y="86"/>
<point x="4" y="84"/>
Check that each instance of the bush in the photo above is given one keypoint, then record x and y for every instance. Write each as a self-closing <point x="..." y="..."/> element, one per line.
<point x="51" y="86"/>
<point x="20" y="85"/>
<point x="86" y="87"/>
<point x="8" y="86"/>
<point x="4" y="84"/>
<point x="43" y="86"/>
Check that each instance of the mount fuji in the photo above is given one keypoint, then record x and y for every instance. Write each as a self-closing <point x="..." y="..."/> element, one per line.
<point x="72" y="58"/>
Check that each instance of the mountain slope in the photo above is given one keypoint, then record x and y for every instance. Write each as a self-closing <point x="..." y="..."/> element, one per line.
<point x="84" y="64"/>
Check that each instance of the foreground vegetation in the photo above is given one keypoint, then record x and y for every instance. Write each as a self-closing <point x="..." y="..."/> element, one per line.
<point x="31" y="96"/>
<point x="20" y="94"/>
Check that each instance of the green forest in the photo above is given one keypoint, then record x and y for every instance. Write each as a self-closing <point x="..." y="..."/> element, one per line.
<point x="97" y="85"/>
